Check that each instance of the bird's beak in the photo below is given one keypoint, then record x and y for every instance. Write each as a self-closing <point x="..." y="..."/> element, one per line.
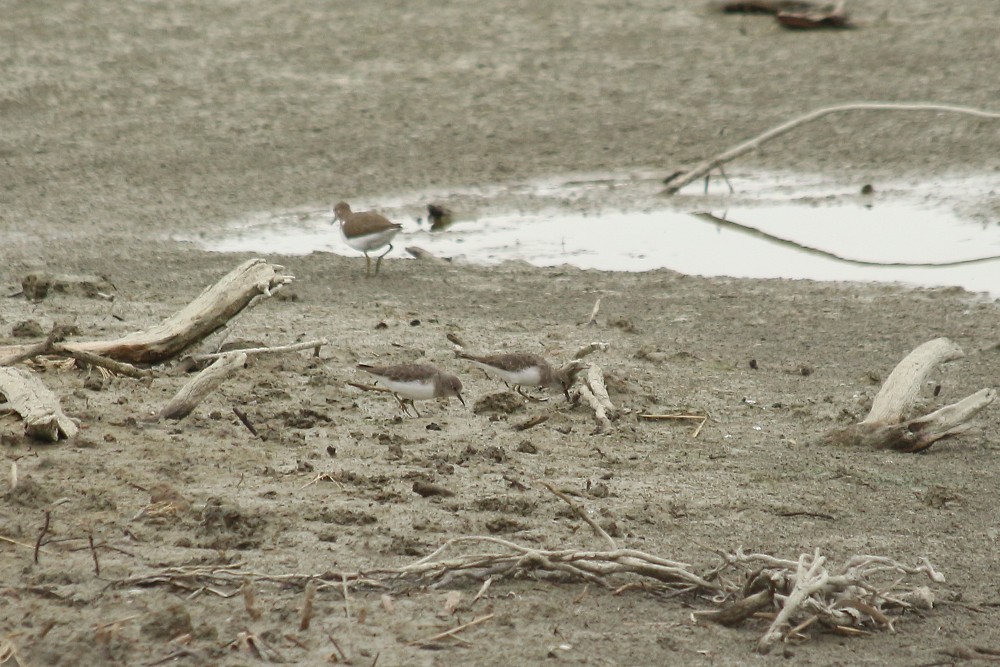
<point x="461" y="400"/>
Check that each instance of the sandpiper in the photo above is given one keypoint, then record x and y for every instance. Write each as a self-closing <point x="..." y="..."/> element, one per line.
<point x="416" y="382"/>
<point x="366" y="231"/>
<point x="522" y="369"/>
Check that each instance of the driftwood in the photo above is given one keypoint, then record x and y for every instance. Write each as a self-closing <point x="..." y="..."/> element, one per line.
<point x="209" y="312"/>
<point x="201" y="385"/>
<point x="595" y="394"/>
<point x="887" y="424"/>
<point x="39" y="408"/>
<point x="678" y="180"/>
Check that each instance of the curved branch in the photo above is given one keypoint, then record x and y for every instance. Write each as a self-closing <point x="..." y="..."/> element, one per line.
<point x="678" y="181"/>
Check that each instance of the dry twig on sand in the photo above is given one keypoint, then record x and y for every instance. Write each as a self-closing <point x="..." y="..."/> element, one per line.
<point x="701" y="419"/>
<point x="682" y="178"/>
<point x="886" y="425"/>
<point x="855" y="598"/>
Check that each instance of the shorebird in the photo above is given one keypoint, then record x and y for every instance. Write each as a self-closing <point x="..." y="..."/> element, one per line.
<point x="416" y="382"/>
<point x="366" y="231"/>
<point x="521" y="369"/>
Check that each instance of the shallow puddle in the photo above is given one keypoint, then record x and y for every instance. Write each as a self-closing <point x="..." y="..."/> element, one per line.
<point x="912" y="235"/>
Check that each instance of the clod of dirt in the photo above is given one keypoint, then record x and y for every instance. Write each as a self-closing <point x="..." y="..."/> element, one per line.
<point x="495" y="453"/>
<point x="27" y="329"/>
<point x="622" y="323"/>
<point x="28" y="493"/>
<point x="233" y="528"/>
<point x="426" y="489"/>
<point x="507" y="505"/>
<point x="504" y="402"/>
<point x="168" y="623"/>
<point x="504" y="525"/>
<point x="527" y="447"/>
<point x="38" y="285"/>
<point x="304" y="418"/>
<point x="651" y="353"/>
<point x="164" y="493"/>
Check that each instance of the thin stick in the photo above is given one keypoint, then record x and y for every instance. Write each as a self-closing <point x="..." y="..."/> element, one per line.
<point x="347" y="597"/>
<point x="700" y="426"/>
<point x="343" y="656"/>
<point x="580" y="512"/>
<point x="93" y="554"/>
<point x="119" y="367"/>
<point x="307" y="605"/>
<point x="242" y="416"/>
<point x="678" y="181"/>
<point x="703" y="419"/>
<point x="593" y="313"/>
<point x="451" y="632"/>
<point x="41" y="534"/>
<point x="20" y="544"/>
<point x="293" y="347"/>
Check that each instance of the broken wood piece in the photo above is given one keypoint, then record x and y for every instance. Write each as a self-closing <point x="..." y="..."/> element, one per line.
<point x="595" y="380"/>
<point x="315" y="345"/>
<point x="91" y="359"/>
<point x="741" y="610"/>
<point x="201" y="385"/>
<point x="884" y="427"/>
<point x="600" y="414"/>
<point x="590" y="348"/>
<point x="593" y="313"/>
<point x="38" y="407"/>
<point x="900" y="389"/>
<point x="531" y="423"/>
<point x="826" y="16"/>
<point x="210" y="311"/>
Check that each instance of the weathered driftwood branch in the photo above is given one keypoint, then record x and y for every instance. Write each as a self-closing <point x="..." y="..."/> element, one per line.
<point x="216" y="306"/>
<point x="600" y="414"/>
<point x="902" y="386"/>
<point x="845" y="598"/>
<point x="594" y="393"/>
<point x="314" y="345"/>
<point x="679" y="180"/>
<point x="201" y="385"/>
<point x="39" y="408"/>
<point x="887" y="426"/>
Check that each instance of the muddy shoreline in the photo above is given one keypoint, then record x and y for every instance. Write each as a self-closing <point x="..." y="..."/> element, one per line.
<point x="127" y="124"/>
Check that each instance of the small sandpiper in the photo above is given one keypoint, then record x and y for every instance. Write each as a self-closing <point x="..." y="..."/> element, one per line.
<point x="416" y="382"/>
<point x="522" y="369"/>
<point x="366" y="231"/>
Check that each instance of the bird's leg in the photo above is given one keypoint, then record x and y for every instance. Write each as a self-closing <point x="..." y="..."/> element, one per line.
<point x="368" y="266"/>
<point x="402" y="404"/>
<point x="378" y="263"/>
<point x="414" y="406"/>
<point x="530" y="398"/>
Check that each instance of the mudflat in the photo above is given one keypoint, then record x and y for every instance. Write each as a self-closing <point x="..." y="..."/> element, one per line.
<point x="129" y="125"/>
